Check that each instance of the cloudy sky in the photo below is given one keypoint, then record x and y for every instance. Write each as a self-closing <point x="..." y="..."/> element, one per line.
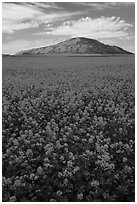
<point x="32" y="24"/>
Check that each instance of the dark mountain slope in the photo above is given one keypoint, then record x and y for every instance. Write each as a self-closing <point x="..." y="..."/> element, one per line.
<point x="78" y="45"/>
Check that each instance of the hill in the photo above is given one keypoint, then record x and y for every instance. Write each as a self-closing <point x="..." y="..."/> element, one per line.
<point x="79" y="45"/>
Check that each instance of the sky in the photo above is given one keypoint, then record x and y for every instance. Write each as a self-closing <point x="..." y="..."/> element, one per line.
<point x="27" y="25"/>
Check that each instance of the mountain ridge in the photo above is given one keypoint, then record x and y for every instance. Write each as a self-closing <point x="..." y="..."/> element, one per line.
<point x="78" y="45"/>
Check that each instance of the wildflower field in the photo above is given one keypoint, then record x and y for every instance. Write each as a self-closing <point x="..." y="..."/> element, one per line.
<point x="68" y="129"/>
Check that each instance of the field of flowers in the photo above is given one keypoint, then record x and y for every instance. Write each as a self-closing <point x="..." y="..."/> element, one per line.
<point x="68" y="130"/>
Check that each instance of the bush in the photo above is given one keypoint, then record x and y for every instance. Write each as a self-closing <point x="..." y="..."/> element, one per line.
<point x="69" y="136"/>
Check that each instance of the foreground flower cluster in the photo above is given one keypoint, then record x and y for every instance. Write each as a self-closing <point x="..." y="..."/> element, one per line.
<point x="68" y="134"/>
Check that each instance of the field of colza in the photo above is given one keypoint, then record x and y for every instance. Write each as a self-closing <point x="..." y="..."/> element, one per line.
<point x="68" y="129"/>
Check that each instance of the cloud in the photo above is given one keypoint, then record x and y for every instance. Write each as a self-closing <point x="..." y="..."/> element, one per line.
<point x="104" y="5"/>
<point x="103" y="27"/>
<point x="17" y="16"/>
<point x="46" y="5"/>
<point x="129" y="37"/>
<point x="15" y="46"/>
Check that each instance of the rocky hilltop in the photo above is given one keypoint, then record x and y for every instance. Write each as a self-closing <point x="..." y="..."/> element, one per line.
<point x="79" y="45"/>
